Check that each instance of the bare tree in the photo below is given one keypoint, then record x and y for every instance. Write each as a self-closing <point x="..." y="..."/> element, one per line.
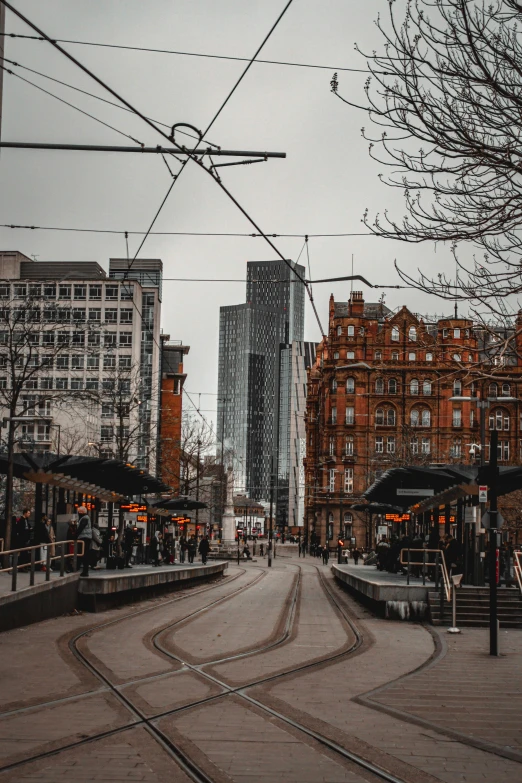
<point x="449" y="79"/>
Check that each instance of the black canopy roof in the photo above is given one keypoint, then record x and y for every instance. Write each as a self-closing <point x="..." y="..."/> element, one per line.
<point x="108" y="479"/>
<point x="180" y="504"/>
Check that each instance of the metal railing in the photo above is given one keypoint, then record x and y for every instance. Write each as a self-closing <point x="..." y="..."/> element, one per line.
<point x="438" y="563"/>
<point x="60" y="546"/>
<point x="517" y="560"/>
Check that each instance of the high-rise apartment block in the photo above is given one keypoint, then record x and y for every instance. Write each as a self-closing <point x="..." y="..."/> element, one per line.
<point x="89" y="345"/>
<point x="251" y="339"/>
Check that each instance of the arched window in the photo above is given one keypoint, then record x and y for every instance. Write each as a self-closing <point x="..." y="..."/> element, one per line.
<point x="457" y="388"/>
<point x="351" y="331"/>
<point x="429" y="357"/>
<point x="348" y="517"/>
<point x="395" y="334"/>
<point x="493" y="390"/>
<point x="379" y="416"/>
<point x="426" y="388"/>
<point x="390" y="416"/>
<point x="334" y="385"/>
<point x="456" y="449"/>
<point x="392" y="386"/>
<point x="426" y="418"/>
<point x="339" y="331"/>
<point x="336" y="355"/>
<point x="412" y="334"/>
<point x="348" y="522"/>
<point x="385" y="416"/>
<point x="379" y="386"/>
<point x="420" y="417"/>
<point x="414" y="386"/>
<point x="499" y="419"/>
<point x="395" y="356"/>
<point x="506" y="390"/>
<point x="350" y="385"/>
<point x="414" y="417"/>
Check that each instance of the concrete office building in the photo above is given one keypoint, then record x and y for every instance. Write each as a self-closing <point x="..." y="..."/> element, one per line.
<point x="94" y="349"/>
<point x="251" y="338"/>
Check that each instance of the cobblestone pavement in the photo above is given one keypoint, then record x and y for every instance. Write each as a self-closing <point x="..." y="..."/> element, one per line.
<point x="152" y="697"/>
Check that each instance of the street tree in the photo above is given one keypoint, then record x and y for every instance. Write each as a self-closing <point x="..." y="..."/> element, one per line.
<point x="445" y="90"/>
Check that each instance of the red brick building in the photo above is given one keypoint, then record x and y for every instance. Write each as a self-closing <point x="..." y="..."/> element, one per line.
<point x="380" y="396"/>
<point x="171" y="410"/>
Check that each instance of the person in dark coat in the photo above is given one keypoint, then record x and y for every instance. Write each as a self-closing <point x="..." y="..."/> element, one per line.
<point x="452" y="555"/>
<point x="154" y="548"/>
<point x="21" y="535"/>
<point x="356" y="555"/>
<point x="42" y="537"/>
<point x="326" y="555"/>
<point x="128" y="542"/>
<point x="191" y="548"/>
<point x="182" y="549"/>
<point x="85" y="535"/>
<point x="204" y="547"/>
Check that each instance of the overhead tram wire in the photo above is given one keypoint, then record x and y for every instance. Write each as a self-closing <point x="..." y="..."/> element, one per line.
<point x="196" y="54"/>
<point x="72" y="106"/>
<point x="96" y="97"/>
<point x="171" y="138"/>
<point x="192" y="233"/>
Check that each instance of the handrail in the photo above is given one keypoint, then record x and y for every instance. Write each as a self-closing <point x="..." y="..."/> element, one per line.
<point x="39" y="546"/>
<point x="517" y="558"/>
<point x="424" y="563"/>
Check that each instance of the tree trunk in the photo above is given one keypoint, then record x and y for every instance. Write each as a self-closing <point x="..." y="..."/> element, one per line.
<point x="9" y="486"/>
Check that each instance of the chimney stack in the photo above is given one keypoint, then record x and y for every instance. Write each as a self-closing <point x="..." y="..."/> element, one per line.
<point x="356" y="303"/>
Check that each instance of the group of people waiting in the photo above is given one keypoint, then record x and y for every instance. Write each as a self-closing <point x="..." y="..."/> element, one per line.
<point x="389" y="552"/>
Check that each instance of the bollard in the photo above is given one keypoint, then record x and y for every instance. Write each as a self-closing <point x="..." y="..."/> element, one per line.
<point x="15" y="572"/>
<point x="455" y="579"/>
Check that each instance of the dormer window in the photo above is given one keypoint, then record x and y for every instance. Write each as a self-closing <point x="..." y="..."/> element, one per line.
<point x="412" y="334"/>
<point x="395" y="334"/>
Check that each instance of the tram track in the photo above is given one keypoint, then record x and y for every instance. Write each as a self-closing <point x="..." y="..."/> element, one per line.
<point x="149" y="722"/>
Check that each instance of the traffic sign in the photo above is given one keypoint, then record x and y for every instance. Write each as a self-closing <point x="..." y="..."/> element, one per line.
<point x="483" y="493"/>
<point x="498" y="522"/>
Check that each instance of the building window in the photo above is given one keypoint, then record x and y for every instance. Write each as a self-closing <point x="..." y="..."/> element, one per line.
<point x="331" y="447"/>
<point x="62" y="384"/>
<point x="503" y="450"/>
<point x="64" y="291"/>
<point x="111" y="315"/>
<point x="456" y="334"/>
<point x="76" y="384"/>
<point x="336" y="354"/>
<point x="426" y="418"/>
<point x="414" y="386"/>
<point x="385" y="416"/>
<point x="457" y="388"/>
<point x="93" y="362"/>
<point x="348" y="480"/>
<point x="378" y="355"/>
<point x="351" y="331"/>
<point x="457" y="417"/>
<point x="379" y="386"/>
<point x="109" y="362"/>
<point x="47" y="339"/>
<point x="95" y="314"/>
<point x="331" y="480"/>
<point x="80" y="292"/>
<point x="78" y="338"/>
<point x="420" y="418"/>
<point x="426" y="446"/>
<point x="506" y="390"/>
<point x="330" y="527"/>
<point x="414" y="445"/>
<point x="456" y="449"/>
<point x="445" y="332"/>
<point x="412" y="356"/>
<point x="348" y="446"/>
<point x="350" y="415"/>
<point x="127" y="292"/>
<point x="348" y="522"/>
<point x="107" y="411"/>
<point x="392" y="386"/>
<point x="111" y="292"/>
<point x="125" y="339"/>
<point x="109" y="339"/>
<point x="334" y="385"/>
<point x="95" y="292"/>
<point x="125" y="363"/>
<point x="379" y="444"/>
<point x="77" y="362"/>
<point x="126" y="316"/>
<point x="390" y="444"/>
<point x="334" y="415"/>
<point x="395" y="334"/>
<point x="395" y="356"/>
<point x="106" y="434"/>
<point x="350" y="354"/>
<point x="457" y="357"/>
<point x="78" y="314"/>
<point x="412" y="334"/>
<point x="350" y="386"/>
<point x="426" y="388"/>
<point x="499" y="420"/>
<point x="46" y="383"/>
<point x="339" y="331"/>
<point x="429" y="357"/>
<point x="5" y="291"/>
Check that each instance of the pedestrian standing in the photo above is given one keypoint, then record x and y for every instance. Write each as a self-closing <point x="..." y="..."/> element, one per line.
<point x="85" y="535"/>
<point x="154" y="549"/>
<point x="204" y="547"/>
<point x="21" y="535"/>
<point x="326" y="555"/>
<point x="42" y="537"/>
<point x="356" y="555"/>
<point x="191" y="549"/>
<point x="182" y="549"/>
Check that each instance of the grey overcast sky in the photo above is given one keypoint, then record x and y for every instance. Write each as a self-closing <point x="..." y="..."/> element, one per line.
<point x="322" y="187"/>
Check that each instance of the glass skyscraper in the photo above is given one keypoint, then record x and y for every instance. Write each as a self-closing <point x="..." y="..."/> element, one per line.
<point x="251" y="339"/>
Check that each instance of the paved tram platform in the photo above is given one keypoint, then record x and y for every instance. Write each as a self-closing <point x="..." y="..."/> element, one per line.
<point x="103" y="588"/>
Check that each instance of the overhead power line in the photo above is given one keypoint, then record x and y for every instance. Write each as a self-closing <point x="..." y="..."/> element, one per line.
<point x="187" y="233"/>
<point x="158" y="150"/>
<point x="194" y="54"/>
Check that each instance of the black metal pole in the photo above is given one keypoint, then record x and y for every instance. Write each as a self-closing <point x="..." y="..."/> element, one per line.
<point x="158" y="150"/>
<point x="493" y="609"/>
<point x="271" y="510"/>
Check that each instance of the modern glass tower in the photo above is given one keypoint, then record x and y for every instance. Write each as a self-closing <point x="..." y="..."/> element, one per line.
<point x="251" y="338"/>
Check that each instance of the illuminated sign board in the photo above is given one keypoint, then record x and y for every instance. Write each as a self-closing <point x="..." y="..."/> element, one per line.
<point x="134" y="508"/>
<point x="397" y="517"/>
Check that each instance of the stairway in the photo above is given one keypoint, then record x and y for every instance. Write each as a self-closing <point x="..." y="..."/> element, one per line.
<point x="473" y="608"/>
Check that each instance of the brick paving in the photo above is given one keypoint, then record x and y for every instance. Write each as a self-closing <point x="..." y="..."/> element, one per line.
<point x="394" y="726"/>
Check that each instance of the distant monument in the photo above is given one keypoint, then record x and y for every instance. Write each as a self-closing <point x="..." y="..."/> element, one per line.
<point x="228" y="522"/>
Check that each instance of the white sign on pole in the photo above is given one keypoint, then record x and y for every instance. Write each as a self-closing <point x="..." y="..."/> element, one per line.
<point x="483" y="493"/>
<point x="415" y="492"/>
